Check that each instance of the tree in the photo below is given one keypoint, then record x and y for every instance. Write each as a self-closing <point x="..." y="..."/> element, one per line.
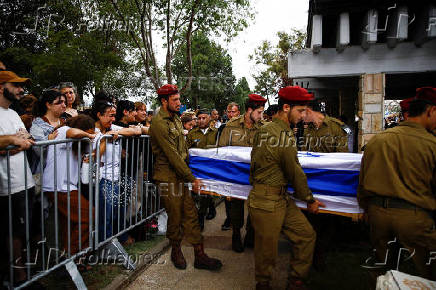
<point x="212" y="77"/>
<point x="178" y="20"/>
<point x="242" y="90"/>
<point x="55" y="41"/>
<point x="274" y="61"/>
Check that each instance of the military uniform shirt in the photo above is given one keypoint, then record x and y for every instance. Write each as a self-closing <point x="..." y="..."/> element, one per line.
<point x="331" y="136"/>
<point x="236" y="134"/>
<point x="169" y="148"/>
<point x="274" y="159"/>
<point x="196" y="138"/>
<point x="400" y="163"/>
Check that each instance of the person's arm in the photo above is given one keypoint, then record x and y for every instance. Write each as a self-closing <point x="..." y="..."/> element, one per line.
<point x="128" y="132"/>
<point x="160" y="134"/>
<point x="75" y="133"/>
<point x="297" y="178"/>
<point x="21" y="143"/>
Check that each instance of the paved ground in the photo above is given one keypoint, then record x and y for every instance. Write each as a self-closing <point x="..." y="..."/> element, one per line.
<point x="237" y="271"/>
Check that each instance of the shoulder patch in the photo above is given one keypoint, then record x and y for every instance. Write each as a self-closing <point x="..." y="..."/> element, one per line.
<point x="346" y="129"/>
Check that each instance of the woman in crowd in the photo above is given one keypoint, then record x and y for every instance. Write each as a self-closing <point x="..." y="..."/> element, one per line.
<point x="69" y="90"/>
<point x="141" y="113"/>
<point x="110" y="192"/>
<point x="149" y="118"/>
<point x="67" y="181"/>
<point x="48" y="111"/>
<point x="188" y="123"/>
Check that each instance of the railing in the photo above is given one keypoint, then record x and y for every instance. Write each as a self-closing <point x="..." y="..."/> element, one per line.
<point x="119" y="196"/>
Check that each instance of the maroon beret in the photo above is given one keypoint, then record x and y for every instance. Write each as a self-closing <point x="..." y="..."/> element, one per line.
<point x="256" y="98"/>
<point x="295" y="94"/>
<point x="427" y="94"/>
<point x="168" y="90"/>
<point x="405" y="104"/>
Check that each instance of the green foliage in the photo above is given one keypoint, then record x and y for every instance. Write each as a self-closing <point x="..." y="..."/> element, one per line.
<point x="273" y="61"/>
<point x="213" y="82"/>
<point x="56" y="44"/>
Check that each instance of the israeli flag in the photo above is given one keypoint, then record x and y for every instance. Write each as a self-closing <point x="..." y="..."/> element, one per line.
<point x="332" y="177"/>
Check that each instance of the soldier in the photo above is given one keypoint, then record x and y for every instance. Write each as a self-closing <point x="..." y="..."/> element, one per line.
<point x="324" y="133"/>
<point x="240" y="131"/>
<point x="397" y="185"/>
<point x="171" y="173"/>
<point x="231" y="112"/>
<point x="215" y="122"/>
<point x="274" y="165"/>
<point x="203" y="137"/>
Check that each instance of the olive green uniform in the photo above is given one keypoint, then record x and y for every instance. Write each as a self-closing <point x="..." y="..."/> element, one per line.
<point x="274" y="165"/>
<point x="397" y="185"/>
<point x="331" y="136"/>
<point x="197" y="139"/>
<point x="237" y="134"/>
<point x="171" y="172"/>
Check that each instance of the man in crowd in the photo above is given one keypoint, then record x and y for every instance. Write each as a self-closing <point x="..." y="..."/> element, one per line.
<point x="240" y="131"/>
<point x="171" y="173"/>
<point x="272" y="210"/>
<point x="15" y="179"/>
<point x="231" y="112"/>
<point x="324" y="133"/>
<point x="203" y="137"/>
<point x="397" y="185"/>
<point x="215" y="122"/>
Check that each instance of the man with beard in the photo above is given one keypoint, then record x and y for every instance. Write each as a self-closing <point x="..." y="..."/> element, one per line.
<point x="171" y="173"/>
<point x="240" y="131"/>
<point x="203" y="136"/>
<point x="274" y="166"/>
<point x="14" y="183"/>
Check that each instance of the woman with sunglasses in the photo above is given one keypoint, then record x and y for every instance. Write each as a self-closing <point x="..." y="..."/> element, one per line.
<point x="69" y="90"/>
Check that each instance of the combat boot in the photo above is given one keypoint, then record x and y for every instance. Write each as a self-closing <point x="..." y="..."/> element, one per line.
<point x="212" y="211"/>
<point x="177" y="255"/>
<point x="236" y="241"/>
<point x="203" y="261"/>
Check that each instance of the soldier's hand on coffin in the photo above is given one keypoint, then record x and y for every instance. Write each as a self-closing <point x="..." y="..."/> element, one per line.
<point x="196" y="185"/>
<point x="314" y="206"/>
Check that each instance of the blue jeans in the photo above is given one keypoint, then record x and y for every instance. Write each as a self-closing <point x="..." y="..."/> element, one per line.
<point x="109" y="193"/>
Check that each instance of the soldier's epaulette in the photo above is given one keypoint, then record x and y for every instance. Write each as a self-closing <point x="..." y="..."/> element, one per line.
<point x="337" y="121"/>
<point x="234" y="121"/>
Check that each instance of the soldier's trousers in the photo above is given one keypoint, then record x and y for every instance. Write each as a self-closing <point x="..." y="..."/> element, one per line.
<point x="237" y="214"/>
<point x="414" y="229"/>
<point x="269" y="218"/>
<point x="181" y="210"/>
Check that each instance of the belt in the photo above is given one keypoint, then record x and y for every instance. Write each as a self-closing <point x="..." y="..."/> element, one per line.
<point x="270" y="188"/>
<point x="392" y="202"/>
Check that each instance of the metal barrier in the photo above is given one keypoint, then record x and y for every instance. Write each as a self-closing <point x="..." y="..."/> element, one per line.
<point x="115" y="205"/>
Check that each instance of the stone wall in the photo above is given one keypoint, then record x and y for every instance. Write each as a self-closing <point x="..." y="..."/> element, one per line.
<point x="370" y="103"/>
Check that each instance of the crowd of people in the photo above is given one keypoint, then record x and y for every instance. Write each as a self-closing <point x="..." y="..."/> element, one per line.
<point x="395" y="205"/>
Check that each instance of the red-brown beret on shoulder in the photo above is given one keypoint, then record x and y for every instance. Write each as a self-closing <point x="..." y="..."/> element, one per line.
<point x="427" y="94"/>
<point x="256" y="98"/>
<point x="405" y="104"/>
<point x="295" y="94"/>
<point x="168" y="90"/>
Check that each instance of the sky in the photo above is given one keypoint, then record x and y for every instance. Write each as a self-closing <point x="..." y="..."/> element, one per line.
<point x="271" y="17"/>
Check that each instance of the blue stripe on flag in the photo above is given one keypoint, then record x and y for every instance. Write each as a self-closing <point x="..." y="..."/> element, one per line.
<point x="321" y="181"/>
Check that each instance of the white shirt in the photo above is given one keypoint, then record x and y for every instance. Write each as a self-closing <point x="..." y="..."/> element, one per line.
<point x="204" y="131"/>
<point x="106" y="158"/>
<point x="63" y="151"/>
<point x="10" y="124"/>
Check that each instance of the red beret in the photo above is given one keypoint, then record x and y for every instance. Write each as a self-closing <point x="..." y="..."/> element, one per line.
<point x="427" y="94"/>
<point x="168" y="90"/>
<point x="405" y="104"/>
<point x="295" y="94"/>
<point x="256" y="98"/>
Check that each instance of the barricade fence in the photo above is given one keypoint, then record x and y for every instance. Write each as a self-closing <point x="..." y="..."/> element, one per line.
<point x="76" y="196"/>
